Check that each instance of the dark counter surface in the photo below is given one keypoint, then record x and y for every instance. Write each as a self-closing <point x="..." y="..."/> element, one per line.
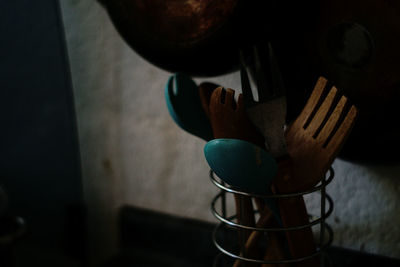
<point x="150" y="239"/>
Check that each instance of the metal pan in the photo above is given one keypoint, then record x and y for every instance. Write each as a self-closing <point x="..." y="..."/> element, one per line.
<point x="201" y="38"/>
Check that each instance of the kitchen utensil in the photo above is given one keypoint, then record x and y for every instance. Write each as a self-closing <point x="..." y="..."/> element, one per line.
<point x="269" y="113"/>
<point x="237" y="125"/>
<point x="205" y="91"/>
<point x="241" y="164"/>
<point x="259" y="71"/>
<point x="183" y="102"/>
<point x="215" y="149"/>
<point x="315" y="138"/>
<point x="229" y="120"/>
<point x="185" y="36"/>
<point x="249" y="168"/>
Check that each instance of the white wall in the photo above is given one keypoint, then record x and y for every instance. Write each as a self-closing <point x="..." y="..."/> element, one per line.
<point x="133" y="153"/>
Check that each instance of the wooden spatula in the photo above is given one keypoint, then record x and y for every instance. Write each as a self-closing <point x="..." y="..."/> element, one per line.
<point x="317" y="135"/>
<point x="313" y="141"/>
<point x="229" y="120"/>
<point x="205" y="91"/>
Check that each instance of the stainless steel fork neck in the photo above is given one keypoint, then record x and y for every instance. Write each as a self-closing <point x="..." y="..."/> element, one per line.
<point x="259" y="70"/>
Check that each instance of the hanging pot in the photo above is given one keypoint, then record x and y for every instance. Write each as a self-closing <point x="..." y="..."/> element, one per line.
<point x="199" y="37"/>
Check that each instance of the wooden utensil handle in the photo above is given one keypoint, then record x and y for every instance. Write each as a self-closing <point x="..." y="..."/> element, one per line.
<point x="275" y="249"/>
<point x="275" y="241"/>
<point x="301" y="242"/>
<point x="294" y="213"/>
<point x="244" y="212"/>
<point x="245" y="216"/>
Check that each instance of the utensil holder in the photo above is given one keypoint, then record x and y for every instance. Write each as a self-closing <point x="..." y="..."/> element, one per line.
<point x="225" y="232"/>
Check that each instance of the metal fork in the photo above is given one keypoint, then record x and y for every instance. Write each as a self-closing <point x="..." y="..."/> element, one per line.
<point x="259" y="71"/>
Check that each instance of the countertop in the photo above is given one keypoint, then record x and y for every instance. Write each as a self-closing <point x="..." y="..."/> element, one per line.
<point x="150" y="238"/>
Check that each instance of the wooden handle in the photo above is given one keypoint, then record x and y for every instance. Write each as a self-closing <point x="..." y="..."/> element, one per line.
<point x="275" y="242"/>
<point x="229" y="120"/>
<point x="245" y="216"/>
<point x="244" y="213"/>
<point x="294" y="213"/>
<point x="205" y="91"/>
<point x="275" y="249"/>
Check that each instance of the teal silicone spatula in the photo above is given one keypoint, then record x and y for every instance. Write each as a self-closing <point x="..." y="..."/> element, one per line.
<point x="184" y="105"/>
<point x="243" y="165"/>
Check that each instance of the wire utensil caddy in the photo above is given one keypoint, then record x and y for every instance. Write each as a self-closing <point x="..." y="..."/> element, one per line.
<point x="224" y="232"/>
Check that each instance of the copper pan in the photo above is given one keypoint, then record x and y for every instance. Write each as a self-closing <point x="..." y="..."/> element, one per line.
<point x="199" y="37"/>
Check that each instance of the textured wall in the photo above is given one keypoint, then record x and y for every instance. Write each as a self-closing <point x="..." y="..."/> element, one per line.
<point x="133" y="153"/>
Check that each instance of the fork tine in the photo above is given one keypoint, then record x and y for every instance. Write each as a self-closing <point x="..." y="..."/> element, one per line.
<point x="263" y="89"/>
<point x="248" y="98"/>
<point x="343" y="131"/>
<point x="269" y="78"/>
<point x="312" y="101"/>
<point x="332" y="121"/>
<point x="322" y="112"/>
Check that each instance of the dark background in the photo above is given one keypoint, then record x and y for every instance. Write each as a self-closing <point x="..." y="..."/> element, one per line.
<point x="40" y="165"/>
<point x="39" y="159"/>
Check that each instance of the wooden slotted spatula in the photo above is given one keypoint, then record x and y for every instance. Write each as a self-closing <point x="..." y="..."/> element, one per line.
<point x="313" y="142"/>
<point x="229" y="120"/>
<point x="316" y="137"/>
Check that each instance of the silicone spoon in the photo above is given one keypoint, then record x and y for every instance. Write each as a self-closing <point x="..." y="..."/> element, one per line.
<point x="230" y="121"/>
<point x="241" y="164"/>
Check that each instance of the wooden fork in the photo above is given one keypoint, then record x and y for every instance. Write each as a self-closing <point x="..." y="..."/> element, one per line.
<point x="317" y="135"/>
<point x="314" y="140"/>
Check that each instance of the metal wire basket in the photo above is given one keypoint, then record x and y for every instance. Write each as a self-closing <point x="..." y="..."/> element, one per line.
<point x="231" y="250"/>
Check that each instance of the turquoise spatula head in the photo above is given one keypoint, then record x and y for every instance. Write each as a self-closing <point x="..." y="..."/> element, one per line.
<point x="184" y="106"/>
